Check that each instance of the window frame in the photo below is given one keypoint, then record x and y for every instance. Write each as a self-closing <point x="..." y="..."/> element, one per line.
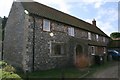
<point x="97" y="37"/>
<point x="71" y="31"/>
<point x="48" y="27"/>
<point x="104" y="49"/>
<point x="89" y="36"/>
<point x="92" y="48"/>
<point x="52" y="50"/>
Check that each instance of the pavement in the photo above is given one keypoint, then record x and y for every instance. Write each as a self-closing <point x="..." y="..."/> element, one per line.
<point x="110" y="72"/>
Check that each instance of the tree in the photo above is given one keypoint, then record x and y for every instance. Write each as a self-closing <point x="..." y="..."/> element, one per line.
<point x="115" y="35"/>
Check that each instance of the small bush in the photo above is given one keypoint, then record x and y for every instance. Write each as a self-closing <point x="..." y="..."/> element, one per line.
<point x="7" y="72"/>
<point x="9" y="68"/>
<point x="3" y="64"/>
<point x="9" y="75"/>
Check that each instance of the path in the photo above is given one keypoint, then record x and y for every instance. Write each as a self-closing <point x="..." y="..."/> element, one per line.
<point x="111" y="72"/>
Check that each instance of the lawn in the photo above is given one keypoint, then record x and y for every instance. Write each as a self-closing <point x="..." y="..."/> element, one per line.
<point x="67" y="72"/>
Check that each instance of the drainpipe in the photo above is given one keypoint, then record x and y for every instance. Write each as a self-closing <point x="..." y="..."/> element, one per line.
<point x="33" y="48"/>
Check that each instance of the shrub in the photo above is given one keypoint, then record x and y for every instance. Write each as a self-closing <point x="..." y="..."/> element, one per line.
<point x="3" y="64"/>
<point x="7" y="72"/>
<point x="9" y="75"/>
<point x="9" y="68"/>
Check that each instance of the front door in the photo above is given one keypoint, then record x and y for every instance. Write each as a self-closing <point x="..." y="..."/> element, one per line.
<point x="79" y="52"/>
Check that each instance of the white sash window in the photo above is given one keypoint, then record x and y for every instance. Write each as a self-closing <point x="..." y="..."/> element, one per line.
<point x="46" y="25"/>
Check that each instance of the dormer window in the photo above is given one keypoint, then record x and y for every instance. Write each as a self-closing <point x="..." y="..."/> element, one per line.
<point x="97" y="37"/>
<point x="71" y="31"/>
<point x="46" y="25"/>
<point x="89" y="35"/>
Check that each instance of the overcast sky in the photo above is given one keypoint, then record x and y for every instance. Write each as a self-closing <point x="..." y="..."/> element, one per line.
<point x="105" y="12"/>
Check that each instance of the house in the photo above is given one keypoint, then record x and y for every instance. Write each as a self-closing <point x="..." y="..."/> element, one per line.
<point x="114" y="44"/>
<point x="38" y="37"/>
<point x="2" y="26"/>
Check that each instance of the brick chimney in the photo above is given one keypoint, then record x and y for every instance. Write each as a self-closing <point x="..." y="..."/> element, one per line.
<point x="94" y="22"/>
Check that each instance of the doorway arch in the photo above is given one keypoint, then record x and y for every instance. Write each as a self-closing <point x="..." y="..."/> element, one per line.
<point x="79" y="50"/>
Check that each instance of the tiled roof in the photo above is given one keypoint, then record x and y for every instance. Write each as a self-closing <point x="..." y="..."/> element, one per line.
<point x="53" y="14"/>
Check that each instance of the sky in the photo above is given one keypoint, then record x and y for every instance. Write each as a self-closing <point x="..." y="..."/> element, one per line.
<point x="105" y="12"/>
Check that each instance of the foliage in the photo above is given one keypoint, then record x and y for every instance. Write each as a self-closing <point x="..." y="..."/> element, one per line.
<point x="3" y="64"/>
<point x="8" y="75"/>
<point x="9" y="68"/>
<point x="7" y="72"/>
<point x="115" y="35"/>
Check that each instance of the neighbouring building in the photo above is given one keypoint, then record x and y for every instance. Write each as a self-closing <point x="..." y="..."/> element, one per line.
<point x="38" y="37"/>
<point x="114" y="44"/>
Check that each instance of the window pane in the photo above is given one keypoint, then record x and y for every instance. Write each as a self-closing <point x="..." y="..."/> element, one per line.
<point x="57" y="49"/>
<point x="46" y="25"/>
<point x="96" y="37"/>
<point x="104" y="50"/>
<point x="92" y="50"/>
<point x="71" y="31"/>
<point x="89" y="35"/>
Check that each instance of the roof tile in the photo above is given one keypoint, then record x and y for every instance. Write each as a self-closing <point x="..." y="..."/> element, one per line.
<point x="53" y="14"/>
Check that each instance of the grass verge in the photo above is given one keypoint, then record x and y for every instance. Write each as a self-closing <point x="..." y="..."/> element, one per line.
<point x="57" y="73"/>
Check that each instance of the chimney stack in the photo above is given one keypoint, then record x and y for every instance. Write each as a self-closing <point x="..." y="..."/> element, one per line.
<point x="94" y="22"/>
